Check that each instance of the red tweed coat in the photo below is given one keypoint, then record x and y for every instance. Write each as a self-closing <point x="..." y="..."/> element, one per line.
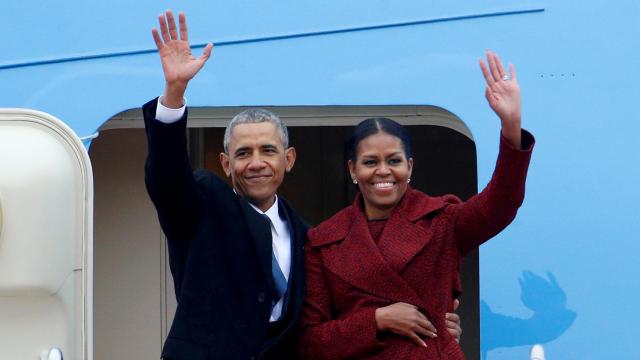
<point x="415" y="261"/>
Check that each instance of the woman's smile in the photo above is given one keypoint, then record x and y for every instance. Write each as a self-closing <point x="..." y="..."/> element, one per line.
<point x="384" y="186"/>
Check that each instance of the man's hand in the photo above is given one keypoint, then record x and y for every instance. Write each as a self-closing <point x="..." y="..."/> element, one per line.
<point x="406" y="320"/>
<point x="178" y="64"/>
<point x="503" y="95"/>
<point x="452" y="321"/>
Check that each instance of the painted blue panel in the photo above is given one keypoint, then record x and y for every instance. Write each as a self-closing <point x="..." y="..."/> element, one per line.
<point x="567" y="262"/>
<point x="88" y="27"/>
<point x="357" y="62"/>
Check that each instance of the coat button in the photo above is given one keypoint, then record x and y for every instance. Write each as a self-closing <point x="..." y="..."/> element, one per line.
<point x="261" y="297"/>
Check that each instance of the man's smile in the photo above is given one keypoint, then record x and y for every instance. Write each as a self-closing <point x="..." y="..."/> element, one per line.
<point x="258" y="178"/>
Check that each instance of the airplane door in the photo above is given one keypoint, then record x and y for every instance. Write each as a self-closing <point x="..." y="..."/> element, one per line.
<point x="46" y="207"/>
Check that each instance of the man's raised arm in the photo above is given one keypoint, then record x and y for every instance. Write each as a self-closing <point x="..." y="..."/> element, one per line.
<point x="168" y="173"/>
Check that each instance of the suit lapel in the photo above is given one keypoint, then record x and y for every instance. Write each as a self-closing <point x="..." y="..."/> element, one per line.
<point x="298" y="233"/>
<point x="261" y="234"/>
<point x="297" y="274"/>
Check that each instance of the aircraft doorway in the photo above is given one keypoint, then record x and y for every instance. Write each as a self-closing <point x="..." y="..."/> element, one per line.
<point x="134" y="300"/>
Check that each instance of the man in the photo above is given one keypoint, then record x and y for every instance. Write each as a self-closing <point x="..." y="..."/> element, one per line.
<point x="235" y="253"/>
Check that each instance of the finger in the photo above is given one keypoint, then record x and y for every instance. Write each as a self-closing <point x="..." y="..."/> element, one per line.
<point x="492" y="66"/>
<point x="182" y="19"/>
<point x="425" y="332"/>
<point x="489" y="95"/>
<point x="453" y="325"/>
<point x="417" y="340"/>
<point x="456" y="333"/>
<point x="486" y="73"/>
<point x="424" y="323"/>
<point x="452" y="317"/>
<point x="512" y="71"/>
<point x="501" y="69"/>
<point x="206" y="53"/>
<point x="173" y="31"/>
<point x="156" y="38"/>
<point x="456" y="304"/>
<point x="164" y="30"/>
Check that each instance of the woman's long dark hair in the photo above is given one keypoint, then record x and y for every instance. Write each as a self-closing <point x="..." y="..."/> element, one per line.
<point x="373" y="126"/>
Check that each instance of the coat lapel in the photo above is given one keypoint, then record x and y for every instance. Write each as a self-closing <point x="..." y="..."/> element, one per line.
<point x="403" y="238"/>
<point x="358" y="261"/>
<point x="400" y="241"/>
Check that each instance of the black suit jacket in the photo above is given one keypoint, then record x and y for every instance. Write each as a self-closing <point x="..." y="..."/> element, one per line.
<point x="220" y="258"/>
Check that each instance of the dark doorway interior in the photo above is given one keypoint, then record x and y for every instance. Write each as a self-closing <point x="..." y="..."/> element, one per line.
<point x="319" y="186"/>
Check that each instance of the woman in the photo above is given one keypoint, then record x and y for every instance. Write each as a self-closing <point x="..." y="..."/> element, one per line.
<point x="381" y="271"/>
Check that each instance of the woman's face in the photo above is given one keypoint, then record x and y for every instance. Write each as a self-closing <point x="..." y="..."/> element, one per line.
<point x="382" y="171"/>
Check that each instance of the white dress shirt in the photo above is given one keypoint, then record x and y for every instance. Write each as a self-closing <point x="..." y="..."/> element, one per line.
<point x="280" y="236"/>
<point x="169" y="115"/>
<point x="281" y="244"/>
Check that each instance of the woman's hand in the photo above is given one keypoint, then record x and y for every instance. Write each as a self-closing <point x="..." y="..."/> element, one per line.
<point x="503" y="95"/>
<point x="406" y="320"/>
<point x="178" y="64"/>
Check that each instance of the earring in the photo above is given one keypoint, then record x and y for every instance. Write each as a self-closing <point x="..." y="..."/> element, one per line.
<point x="408" y="180"/>
<point x="355" y="182"/>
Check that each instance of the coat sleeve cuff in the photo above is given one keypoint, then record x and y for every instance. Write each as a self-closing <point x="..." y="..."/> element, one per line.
<point x="513" y="161"/>
<point x="364" y="333"/>
<point x="364" y="323"/>
<point x="526" y="143"/>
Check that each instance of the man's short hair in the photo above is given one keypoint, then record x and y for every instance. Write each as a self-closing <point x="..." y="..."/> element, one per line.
<point x="254" y="116"/>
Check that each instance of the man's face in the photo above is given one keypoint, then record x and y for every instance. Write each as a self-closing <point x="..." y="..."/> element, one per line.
<point x="256" y="162"/>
